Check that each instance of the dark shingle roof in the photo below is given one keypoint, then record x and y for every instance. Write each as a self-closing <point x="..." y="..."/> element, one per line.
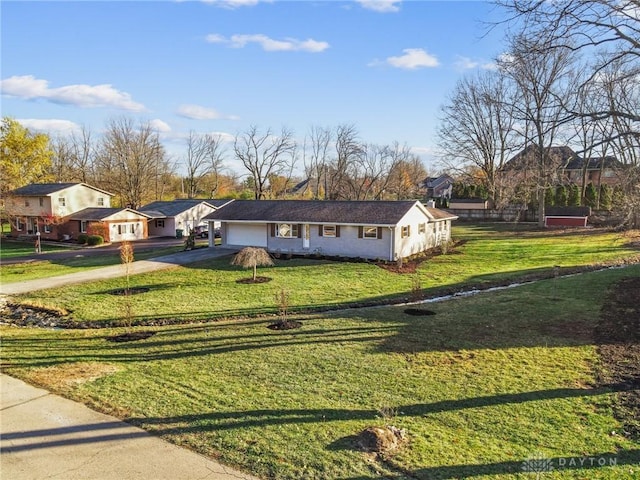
<point x="43" y="189"/>
<point x="40" y="189"/>
<point x="593" y="163"/>
<point x="314" y="211"/>
<point x="438" y="214"/>
<point x="98" y="213"/>
<point x="217" y="202"/>
<point x="171" y="208"/>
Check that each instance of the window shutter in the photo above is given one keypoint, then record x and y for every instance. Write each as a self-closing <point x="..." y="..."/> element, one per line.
<point x="319" y="230"/>
<point x="273" y="229"/>
<point x="379" y="233"/>
<point x="299" y="230"/>
<point x="409" y="231"/>
<point x="360" y="229"/>
<point x="337" y="230"/>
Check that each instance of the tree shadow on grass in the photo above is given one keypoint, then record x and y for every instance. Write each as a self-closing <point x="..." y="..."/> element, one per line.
<point x="533" y="468"/>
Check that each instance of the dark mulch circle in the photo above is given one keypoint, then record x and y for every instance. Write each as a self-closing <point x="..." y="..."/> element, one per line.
<point x="285" y="325"/>
<point x="418" y="312"/>
<point x="251" y="280"/>
<point x="130" y="337"/>
<point x="129" y="291"/>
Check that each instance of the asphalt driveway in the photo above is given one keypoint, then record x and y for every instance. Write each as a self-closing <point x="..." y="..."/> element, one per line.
<point x="115" y="271"/>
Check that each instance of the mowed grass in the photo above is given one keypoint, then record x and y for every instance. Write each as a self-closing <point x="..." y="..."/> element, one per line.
<point x="208" y="290"/>
<point x="480" y="387"/>
<point x="13" y="249"/>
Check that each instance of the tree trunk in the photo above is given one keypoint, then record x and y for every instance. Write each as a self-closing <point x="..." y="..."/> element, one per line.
<point x="541" y="207"/>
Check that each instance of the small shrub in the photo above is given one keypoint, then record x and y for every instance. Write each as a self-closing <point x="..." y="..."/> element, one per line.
<point x="83" y="238"/>
<point x="93" y="240"/>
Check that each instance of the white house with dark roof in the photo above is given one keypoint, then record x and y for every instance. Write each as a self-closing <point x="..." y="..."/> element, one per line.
<point x="167" y="217"/>
<point x="386" y="230"/>
<point x="112" y="224"/>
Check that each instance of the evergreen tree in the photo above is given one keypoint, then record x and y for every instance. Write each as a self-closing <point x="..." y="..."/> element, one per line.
<point x="591" y="196"/>
<point x="574" y="196"/>
<point x="550" y="196"/>
<point x="562" y="196"/>
<point x="606" y="197"/>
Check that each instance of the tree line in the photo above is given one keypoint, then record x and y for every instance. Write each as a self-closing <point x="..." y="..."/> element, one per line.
<point x="129" y="160"/>
<point x="570" y="76"/>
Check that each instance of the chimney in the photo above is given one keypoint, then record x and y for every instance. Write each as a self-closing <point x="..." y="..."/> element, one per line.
<point x="431" y="203"/>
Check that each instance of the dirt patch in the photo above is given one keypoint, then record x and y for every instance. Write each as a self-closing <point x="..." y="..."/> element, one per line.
<point x="285" y="325"/>
<point x="130" y="336"/>
<point x="618" y="339"/>
<point x="381" y="440"/>
<point x="70" y="375"/>
<point x="251" y="280"/>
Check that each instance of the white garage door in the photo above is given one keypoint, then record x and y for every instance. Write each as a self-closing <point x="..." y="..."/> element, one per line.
<point x="250" y="235"/>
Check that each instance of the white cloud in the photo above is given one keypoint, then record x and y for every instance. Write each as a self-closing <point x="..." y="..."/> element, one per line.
<point x="51" y="125"/>
<point x="466" y="63"/>
<point x="29" y="88"/>
<point x="160" y="126"/>
<point x="234" y="3"/>
<point x="383" y="6"/>
<point x="412" y="59"/>
<point x="270" y="44"/>
<point x="197" y="112"/>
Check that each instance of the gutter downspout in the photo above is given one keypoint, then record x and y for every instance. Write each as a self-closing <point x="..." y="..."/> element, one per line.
<point x="391" y="242"/>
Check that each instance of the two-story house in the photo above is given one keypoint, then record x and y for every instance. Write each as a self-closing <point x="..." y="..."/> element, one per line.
<point x="59" y="211"/>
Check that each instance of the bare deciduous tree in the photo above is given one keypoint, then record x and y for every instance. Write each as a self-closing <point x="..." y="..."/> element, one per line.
<point x="264" y="155"/>
<point x="204" y="157"/>
<point x="130" y="161"/>
<point x="477" y="127"/>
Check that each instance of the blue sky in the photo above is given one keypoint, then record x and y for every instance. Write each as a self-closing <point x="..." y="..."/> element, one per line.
<point x="222" y="66"/>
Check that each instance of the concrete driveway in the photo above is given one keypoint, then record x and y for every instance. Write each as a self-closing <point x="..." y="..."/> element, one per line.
<point x="44" y="436"/>
<point x="114" y="271"/>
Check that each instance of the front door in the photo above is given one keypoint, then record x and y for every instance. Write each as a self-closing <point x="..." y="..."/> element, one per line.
<point x="305" y="236"/>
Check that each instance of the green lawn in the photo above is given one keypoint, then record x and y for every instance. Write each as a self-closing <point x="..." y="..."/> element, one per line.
<point x="13" y="249"/>
<point x="209" y="290"/>
<point x="483" y="385"/>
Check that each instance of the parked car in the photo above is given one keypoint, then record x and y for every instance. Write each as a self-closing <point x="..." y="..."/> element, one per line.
<point x="202" y="231"/>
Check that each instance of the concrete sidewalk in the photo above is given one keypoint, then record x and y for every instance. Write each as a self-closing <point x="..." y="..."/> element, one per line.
<point x="45" y="436"/>
<point x="114" y="271"/>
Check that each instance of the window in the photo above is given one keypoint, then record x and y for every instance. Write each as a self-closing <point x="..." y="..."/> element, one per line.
<point x="369" y="232"/>
<point x="47" y="228"/>
<point x="159" y="223"/>
<point x="132" y="228"/>
<point x="83" y="226"/>
<point x="62" y="201"/>
<point x="287" y="230"/>
<point x="41" y="201"/>
<point x="122" y="229"/>
<point x="328" y="230"/>
<point x="422" y="227"/>
<point x="406" y="231"/>
<point x="608" y="173"/>
<point x="100" y="201"/>
<point x="19" y="224"/>
<point x="26" y="203"/>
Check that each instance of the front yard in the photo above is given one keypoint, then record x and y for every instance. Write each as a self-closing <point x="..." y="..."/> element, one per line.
<point x="481" y="387"/>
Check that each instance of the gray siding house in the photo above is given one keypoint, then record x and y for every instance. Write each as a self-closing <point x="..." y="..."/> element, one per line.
<point x="386" y="230"/>
<point x="167" y="217"/>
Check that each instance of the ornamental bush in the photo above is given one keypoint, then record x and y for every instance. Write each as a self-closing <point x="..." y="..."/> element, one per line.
<point x="94" y="240"/>
<point x="82" y="238"/>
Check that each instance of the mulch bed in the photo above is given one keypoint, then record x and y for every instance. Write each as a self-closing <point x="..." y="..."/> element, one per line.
<point x="130" y="336"/>
<point x="418" y="312"/>
<point x="129" y="291"/>
<point x="251" y="280"/>
<point x="285" y="325"/>
<point x="618" y="339"/>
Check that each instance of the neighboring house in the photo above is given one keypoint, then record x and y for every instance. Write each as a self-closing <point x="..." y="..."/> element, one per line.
<point x="599" y="171"/>
<point x="43" y="207"/>
<point x="564" y="166"/>
<point x="167" y="217"/>
<point x="438" y="187"/>
<point x="386" y="230"/>
<point x="113" y="224"/>
<point x="468" y="204"/>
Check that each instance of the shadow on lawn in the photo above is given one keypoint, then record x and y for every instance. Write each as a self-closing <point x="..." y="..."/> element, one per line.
<point x="217" y="421"/>
<point x="591" y="461"/>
